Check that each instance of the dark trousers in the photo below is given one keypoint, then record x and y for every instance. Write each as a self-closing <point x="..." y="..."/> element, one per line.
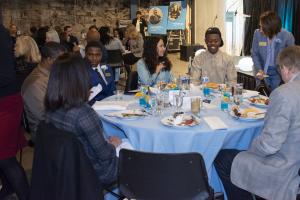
<point x="223" y="164"/>
<point x="13" y="179"/>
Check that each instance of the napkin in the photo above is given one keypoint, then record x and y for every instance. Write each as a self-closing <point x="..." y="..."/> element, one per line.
<point x="111" y="105"/>
<point x="250" y="93"/>
<point x="94" y="91"/>
<point x="124" y="145"/>
<point x="215" y="123"/>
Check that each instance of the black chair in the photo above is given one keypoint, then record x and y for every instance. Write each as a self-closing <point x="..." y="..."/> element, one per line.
<point x="115" y="58"/>
<point x="162" y="176"/>
<point x="61" y="170"/>
<point x="132" y="81"/>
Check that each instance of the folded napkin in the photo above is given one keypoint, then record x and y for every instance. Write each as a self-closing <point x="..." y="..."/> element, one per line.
<point x="111" y="105"/>
<point x="250" y="93"/>
<point x="215" y="123"/>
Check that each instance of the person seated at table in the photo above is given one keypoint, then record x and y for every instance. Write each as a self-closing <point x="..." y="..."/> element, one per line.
<point x="269" y="168"/>
<point x="136" y="42"/>
<point x="99" y="74"/>
<point x="35" y="85"/>
<point x="67" y="109"/>
<point x="217" y="65"/>
<point x="154" y="66"/>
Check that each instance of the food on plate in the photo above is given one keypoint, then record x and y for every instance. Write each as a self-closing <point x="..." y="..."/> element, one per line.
<point x="245" y="113"/>
<point x="183" y="120"/>
<point x="132" y="114"/>
<point x="166" y="86"/>
<point x="212" y="85"/>
<point x="171" y="86"/>
<point x="259" y="100"/>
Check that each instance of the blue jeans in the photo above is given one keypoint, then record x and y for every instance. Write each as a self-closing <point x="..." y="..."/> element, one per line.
<point x="13" y="179"/>
<point x="223" y="164"/>
<point x="274" y="79"/>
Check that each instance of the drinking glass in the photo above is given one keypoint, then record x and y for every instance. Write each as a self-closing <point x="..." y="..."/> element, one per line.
<point x="238" y="94"/>
<point x="196" y="105"/>
<point x="178" y="101"/>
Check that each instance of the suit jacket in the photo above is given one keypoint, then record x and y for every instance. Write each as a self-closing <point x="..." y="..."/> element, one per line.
<point x="270" y="167"/>
<point x="143" y="24"/>
<point x="107" y="89"/>
<point x="259" y="47"/>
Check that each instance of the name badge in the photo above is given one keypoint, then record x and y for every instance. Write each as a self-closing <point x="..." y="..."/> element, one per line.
<point x="262" y="44"/>
<point x="107" y="74"/>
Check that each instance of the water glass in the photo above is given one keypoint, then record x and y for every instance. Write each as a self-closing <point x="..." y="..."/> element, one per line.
<point x="195" y="105"/>
<point x="206" y="91"/>
<point x="178" y="101"/>
<point x="238" y="93"/>
<point x="119" y="95"/>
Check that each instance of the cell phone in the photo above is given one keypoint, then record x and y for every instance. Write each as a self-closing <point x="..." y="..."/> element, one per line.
<point x="206" y="100"/>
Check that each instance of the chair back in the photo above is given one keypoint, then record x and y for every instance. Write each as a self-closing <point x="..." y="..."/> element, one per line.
<point x="132" y="81"/>
<point x="115" y="58"/>
<point x="61" y="170"/>
<point x="163" y="176"/>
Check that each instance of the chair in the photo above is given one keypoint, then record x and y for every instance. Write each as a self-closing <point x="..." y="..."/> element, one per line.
<point x="163" y="176"/>
<point x="115" y="58"/>
<point x="132" y="81"/>
<point x="61" y="170"/>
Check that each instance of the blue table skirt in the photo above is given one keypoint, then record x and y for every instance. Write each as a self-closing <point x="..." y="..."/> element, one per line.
<point x="149" y="134"/>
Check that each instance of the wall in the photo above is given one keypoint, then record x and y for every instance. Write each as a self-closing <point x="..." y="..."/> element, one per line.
<point x="209" y="13"/>
<point x="77" y="13"/>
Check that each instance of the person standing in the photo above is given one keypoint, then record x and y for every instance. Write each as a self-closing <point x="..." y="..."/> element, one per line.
<point x="140" y="23"/>
<point x="12" y="174"/>
<point x="267" y="42"/>
<point x="269" y="168"/>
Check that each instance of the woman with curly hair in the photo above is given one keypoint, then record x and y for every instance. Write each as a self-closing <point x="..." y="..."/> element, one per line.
<point x="154" y="66"/>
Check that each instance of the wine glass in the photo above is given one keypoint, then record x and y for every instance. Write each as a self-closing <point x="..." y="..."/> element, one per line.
<point x="178" y="101"/>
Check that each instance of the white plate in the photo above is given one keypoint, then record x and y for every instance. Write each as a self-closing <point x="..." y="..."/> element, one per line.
<point x="169" y="121"/>
<point x="249" y="119"/>
<point x="261" y="105"/>
<point x="128" y="114"/>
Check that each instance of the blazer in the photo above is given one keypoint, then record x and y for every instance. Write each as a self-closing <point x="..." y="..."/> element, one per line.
<point x="143" y="25"/>
<point x="107" y="90"/>
<point x="270" y="167"/>
<point x="259" y="47"/>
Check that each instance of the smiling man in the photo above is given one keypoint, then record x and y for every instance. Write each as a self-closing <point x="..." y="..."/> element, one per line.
<point x="218" y="65"/>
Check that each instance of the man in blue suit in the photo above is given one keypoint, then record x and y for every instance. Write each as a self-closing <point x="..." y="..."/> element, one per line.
<point x="99" y="74"/>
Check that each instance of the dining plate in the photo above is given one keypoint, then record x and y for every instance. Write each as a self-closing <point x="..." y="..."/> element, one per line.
<point x="259" y="101"/>
<point x="181" y="121"/>
<point x="248" y="114"/>
<point x="128" y="114"/>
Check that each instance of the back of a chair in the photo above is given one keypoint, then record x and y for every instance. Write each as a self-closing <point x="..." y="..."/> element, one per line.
<point x="132" y="81"/>
<point x="114" y="58"/>
<point x="61" y="170"/>
<point x="163" y="176"/>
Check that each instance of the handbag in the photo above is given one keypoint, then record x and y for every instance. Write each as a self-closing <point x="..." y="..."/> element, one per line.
<point x="263" y="89"/>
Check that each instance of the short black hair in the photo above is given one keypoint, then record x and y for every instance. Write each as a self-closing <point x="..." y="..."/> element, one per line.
<point x="214" y="30"/>
<point x="138" y="12"/>
<point x="69" y="83"/>
<point x="66" y="28"/>
<point x="52" y="50"/>
<point x="94" y="44"/>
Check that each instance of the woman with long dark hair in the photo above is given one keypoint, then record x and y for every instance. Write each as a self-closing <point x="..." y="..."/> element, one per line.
<point x="154" y="66"/>
<point x="66" y="106"/>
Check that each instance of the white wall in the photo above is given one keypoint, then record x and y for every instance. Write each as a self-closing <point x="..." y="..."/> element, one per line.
<point x="212" y="13"/>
